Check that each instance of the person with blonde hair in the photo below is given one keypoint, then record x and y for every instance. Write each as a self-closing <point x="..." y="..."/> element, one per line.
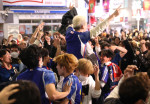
<point x="66" y="64"/>
<point x="44" y="79"/>
<point x="77" y="36"/>
<point x="90" y="88"/>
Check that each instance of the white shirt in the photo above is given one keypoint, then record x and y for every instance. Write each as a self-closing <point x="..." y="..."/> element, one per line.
<point x="92" y="92"/>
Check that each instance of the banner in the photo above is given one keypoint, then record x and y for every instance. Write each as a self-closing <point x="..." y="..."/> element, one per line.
<point x="146" y="5"/>
<point x="22" y="29"/>
<point x="92" y="6"/>
<point x="114" y="4"/>
<point x="92" y="19"/>
<point x="35" y="2"/>
<point x="106" y="5"/>
<point x="126" y="19"/>
<point x="121" y="19"/>
<point x="13" y="29"/>
<point x="29" y="29"/>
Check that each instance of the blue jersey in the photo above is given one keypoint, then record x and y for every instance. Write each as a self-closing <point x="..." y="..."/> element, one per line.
<point x="74" y="96"/>
<point x="75" y="40"/>
<point x="41" y="77"/>
<point x="6" y="74"/>
<point x="110" y="74"/>
<point x="116" y="59"/>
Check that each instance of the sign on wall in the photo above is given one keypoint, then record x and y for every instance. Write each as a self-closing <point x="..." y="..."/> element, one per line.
<point x="13" y="29"/>
<point x="146" y="5"/>
<point x="29" y="29"/>
<point x="34" y="2"/>
<point x="22" y="29"/>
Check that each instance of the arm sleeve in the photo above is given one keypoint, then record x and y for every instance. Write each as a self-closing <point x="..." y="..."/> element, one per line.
<point x="129" y="48"/>
<point x="37" y="42"/>
<point x="85" y="37"/>
<point x="114" y="93"/>
<point x="49" y="77"/>
<point x="99" y="28"/>
<point x="73" y="88"/>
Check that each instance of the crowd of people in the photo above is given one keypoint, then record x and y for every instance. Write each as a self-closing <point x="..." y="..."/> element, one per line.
<point x="76" y="66"/>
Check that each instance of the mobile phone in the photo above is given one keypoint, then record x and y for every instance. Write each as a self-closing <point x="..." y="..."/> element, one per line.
<point x="85" y="89"/>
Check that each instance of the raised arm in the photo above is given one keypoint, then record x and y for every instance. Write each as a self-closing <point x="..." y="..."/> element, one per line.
<point x="33" y="38"/>
<point x="143" y="47"/>
<point x="57" y="45"/>
<point x="122" y="50"/>
<point x="101" y="26"/>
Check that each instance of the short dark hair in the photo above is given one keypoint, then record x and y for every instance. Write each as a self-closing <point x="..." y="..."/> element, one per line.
<point x="133" y="89"/>
<point x="30" y="56"/>
<point x="105" y="44"/>
<point x="28" y="93"/>
<point x="46" y="33"/>
<point x="107" y="52"/>
<point x="2" y="52"/>
<point x="116" y="38"/>
<point x="14" y="46"/>
<point x="44" y="52"/>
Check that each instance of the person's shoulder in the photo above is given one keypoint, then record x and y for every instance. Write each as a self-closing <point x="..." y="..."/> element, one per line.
<point x="74" y="76"/>
<point x="76" y="79"/>
<point x="45" y="70"/>
<point x="90" y="78"/>
<point x="23" y="73"/>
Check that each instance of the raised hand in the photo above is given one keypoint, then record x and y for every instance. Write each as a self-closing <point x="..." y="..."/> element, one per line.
<point x="7" y="92"/>
<point x="115" y="14"/>
<point x="117" y="11"/>
<point x="41" y="25"/>
<point x="96" y="70"/>
<point x="67" y="87"/>
<point x="142" y="42"/>
<point x="40" y="34"/>
<point x="129" y="71"/>
<point x="71" y="6"/>
<point x="56" y="42"/>
<point x="10" y="38"/>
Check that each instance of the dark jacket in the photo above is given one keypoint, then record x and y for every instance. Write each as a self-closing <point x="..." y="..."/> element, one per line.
<point x="143" y="60"/>
<point x="129" y="56"/>
<point x="52" y="50"/>
<point x="67" y="20"/>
